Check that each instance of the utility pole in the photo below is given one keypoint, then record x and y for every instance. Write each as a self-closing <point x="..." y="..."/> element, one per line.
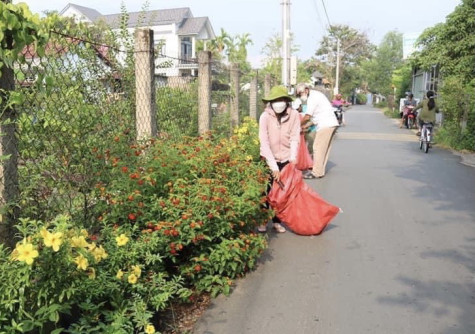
<point x="337" y="76"/>
<point x="286" y="43"/>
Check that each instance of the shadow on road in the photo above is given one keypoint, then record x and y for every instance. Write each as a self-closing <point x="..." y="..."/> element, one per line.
<point x="447" y="194"/>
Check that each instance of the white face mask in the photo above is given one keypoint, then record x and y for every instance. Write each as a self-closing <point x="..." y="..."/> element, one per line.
<point x="279" y="107"/>
<point x="303" y="97"/>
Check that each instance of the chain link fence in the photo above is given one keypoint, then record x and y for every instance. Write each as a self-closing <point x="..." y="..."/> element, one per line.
<point x="81" y="102"/>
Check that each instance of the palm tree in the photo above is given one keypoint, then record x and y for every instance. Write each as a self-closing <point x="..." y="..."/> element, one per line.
<point x="243" y="41"/>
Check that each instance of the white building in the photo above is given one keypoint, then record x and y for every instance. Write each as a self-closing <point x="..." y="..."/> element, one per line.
<point x="176" y="33"/>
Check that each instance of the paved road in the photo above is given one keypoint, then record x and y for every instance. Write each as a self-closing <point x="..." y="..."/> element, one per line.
<point x="399" y="259"/>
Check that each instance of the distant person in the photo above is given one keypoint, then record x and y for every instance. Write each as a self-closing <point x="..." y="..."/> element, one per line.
<point x="409" y="105"/>
<point x="339" y="101"/>
<point x="428" y="110"/>
<point x="309" y="128"/>
<point x="321" y="114"/>
<point x="279" y="136"/>
<point x="304" y="159"/>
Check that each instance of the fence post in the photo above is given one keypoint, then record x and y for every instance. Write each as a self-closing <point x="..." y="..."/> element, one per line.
<point x="146" y="116"/>
<point x="253" y="97"/>
<point x="9" y="186"/>
<point x="267" y="82"/>
<point x="234" y="95"/>
<point x="204" y="91"/>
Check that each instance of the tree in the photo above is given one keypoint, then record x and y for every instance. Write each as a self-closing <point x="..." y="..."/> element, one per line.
<point x="273" y="59"/>
<point x="449" y="47"/>
<point x="242" y="42"/>
<point x="387" y="59"/>
<point x="355" y="48"/>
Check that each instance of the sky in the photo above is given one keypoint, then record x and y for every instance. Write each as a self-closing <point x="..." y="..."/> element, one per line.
<point x="309" y="18"/>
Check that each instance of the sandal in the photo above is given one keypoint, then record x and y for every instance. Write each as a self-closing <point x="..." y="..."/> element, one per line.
<point x="279" y="228"/>
<point x="262" y="228"/>
<point x="309" y="176"/>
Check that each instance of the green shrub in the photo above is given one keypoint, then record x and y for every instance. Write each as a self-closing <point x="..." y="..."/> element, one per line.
<point x="361" y="99"/>
<point x="177" y="110"/>
<point x="174" y="220"/>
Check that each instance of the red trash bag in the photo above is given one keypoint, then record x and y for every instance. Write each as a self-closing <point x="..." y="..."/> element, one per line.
<point x="299" y="207"/>
<point x="304" y="159"/>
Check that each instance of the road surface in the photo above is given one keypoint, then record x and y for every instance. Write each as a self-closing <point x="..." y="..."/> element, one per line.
<point x="399" y="259"/>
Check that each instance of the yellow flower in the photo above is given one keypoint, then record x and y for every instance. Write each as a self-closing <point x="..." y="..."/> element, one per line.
<point x="249" y="158"/>
<point x="91" y="273"/>
<point x="44" y="232"/>
<point x="52" y="239"/>
<point x="132" y="279"/>
<point x="121" y="240"/>
<point x="137" y="271"/>
<point x="119" y="274"/>
<point x="14" y="254"/>
<point x="84" y="233"/>
<point x="78" y="242"/>
<point x="99" y="253"/>
<point x="82" y="262"/>
<point x="26" y="252"/>
<point x="149" y="329"/>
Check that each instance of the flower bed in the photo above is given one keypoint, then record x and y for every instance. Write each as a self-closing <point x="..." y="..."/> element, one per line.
<point x="176" y="220"/>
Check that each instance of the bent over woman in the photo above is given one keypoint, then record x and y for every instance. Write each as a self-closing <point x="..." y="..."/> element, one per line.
<point x="279" y="135"/>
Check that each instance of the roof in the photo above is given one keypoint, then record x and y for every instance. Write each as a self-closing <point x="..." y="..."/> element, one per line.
<point x="59" y="49"/>
<point x="150" y="18"/>
<point x="90" y="13"/>
<point x="317" y="74"/>
<point x="192" y="25"/>
<point x="188" y="25"/>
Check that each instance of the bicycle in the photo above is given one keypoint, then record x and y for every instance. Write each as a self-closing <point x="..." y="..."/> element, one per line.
<point x="426" y="133"/>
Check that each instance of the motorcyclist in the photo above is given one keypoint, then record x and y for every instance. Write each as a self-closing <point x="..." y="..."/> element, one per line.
<point x="409" y="105"/>
<point x="428" y="110"/>
<point x="338" y="101"/>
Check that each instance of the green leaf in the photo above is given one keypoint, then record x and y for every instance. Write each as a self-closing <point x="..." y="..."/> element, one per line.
<point x="12" y="22"/>
<point x="57" y="331"/>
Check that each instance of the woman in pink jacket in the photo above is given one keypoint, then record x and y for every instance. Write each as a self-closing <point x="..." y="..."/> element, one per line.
<point x="279" y="135"/>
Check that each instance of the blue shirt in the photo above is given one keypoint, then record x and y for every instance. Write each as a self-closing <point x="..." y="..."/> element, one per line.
<point x="313" y="127"/>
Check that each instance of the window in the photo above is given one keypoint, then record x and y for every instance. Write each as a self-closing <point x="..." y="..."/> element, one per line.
<point x="186" y="48"/>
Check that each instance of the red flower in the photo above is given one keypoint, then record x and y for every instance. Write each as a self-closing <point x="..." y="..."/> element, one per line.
<point x="132" y="216"/>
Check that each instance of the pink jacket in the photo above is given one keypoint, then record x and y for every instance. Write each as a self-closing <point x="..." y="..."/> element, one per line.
<point x="279" y="142"/>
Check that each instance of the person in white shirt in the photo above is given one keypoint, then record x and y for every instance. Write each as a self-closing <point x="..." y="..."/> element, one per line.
<point x="321" y="114"/>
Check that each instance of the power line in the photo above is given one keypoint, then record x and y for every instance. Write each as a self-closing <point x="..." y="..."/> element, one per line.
<point x="326" y="14"/>
<point x="315" y="5"/>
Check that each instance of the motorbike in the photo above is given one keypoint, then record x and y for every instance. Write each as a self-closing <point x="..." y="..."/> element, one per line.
<point x="339" y="114"/>
<point x="410" y="117"/>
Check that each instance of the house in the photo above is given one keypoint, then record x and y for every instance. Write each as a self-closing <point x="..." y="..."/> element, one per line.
<point x="176" y="33"/>
<point x="68" y="55"/>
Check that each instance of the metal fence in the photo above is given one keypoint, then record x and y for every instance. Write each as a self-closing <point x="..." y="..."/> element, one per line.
<point x="81" y="102"/>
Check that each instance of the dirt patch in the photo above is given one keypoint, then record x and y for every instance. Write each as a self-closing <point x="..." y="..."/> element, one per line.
<point x="181" y="318"/>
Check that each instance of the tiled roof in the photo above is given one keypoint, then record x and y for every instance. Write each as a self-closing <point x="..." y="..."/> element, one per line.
<point x="90" y="13"/>
<point x="149" y="18"/>
<point x="192" y="25"/>
<point x="188" y="25"/>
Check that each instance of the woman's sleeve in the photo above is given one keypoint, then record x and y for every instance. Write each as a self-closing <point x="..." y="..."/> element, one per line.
<point x="294" y="137"/>
<point x="265" y="150"/>
<point x="419" y="106"/>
